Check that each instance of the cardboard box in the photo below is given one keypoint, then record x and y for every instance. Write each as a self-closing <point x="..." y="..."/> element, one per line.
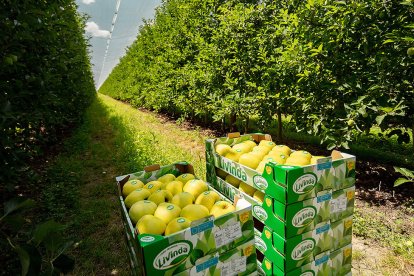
<point x="297" y="218"/>
<point x="286" y="184"/>
<point x="289" y="254"/>
<point x="329" y="263"/>
<point x="162" y="255"/>
<point x="238" y="261"/>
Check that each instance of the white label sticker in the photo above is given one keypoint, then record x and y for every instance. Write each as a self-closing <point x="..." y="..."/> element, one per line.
<point x="338" y="204"/>
<point x="228" y="234"/>
<point x="234" y="266"/>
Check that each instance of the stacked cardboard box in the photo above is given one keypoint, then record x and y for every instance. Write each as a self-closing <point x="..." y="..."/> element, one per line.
<point x="304" y="223"/>
<point x="222" y="246"/>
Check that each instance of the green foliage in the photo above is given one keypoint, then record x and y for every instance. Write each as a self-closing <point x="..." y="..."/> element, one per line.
<point x="408" y="176"/>
<point x="338" y="68"/>
<point x="41" y="247"/>
<point x="45" y="78"/>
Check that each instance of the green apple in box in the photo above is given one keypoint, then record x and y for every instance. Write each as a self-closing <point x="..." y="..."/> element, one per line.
<point x="162" y="255"/>
<point x="287" y="184"/>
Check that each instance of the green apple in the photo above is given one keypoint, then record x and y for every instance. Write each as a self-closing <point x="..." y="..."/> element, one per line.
<point x="166" y="178"/>
<point x="195" y="187"/>
<point x="137" y="195"/>
<point x="223" y="149"/>
<point x="177" y="225"/>
<point x="174" y="187"/>
<point x="258" y="154"/>
<point x="140" y="209"/>
<point x="194" y="212"/>
<point x="245" y="148"/>
<point x="232" y="180"/>
<point x="277" y="157"/>
<point x="207" y="199"/>
<point x="283" y="149"/>
<point x="131" y="185"/>
<point x="221" y="208"/>
<point x="153" y="186"/>
<point x="249" y="160"/>
<point x="250" y="143"/>
<point x="301" y="154"/>
<point x="259" y="196"/>
<point x="234" y="155"/>
<point x="267" y="144"/>
<point x="160" y="196"/>
<point x="184" y="178"/>
<point x="167" y="212"/>
<point x="182" y="199"/>
<point x="220" y="173"/>
<point x="150" y="224"/>
<point x="297" y="161"/>
<point x="263" y="150"/>
<point x="246" y="188"/>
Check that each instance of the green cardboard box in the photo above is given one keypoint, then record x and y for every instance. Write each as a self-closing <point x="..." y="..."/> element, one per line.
<point x="301" y="249"/>
<point x="297" y="218"/>
<point x="286" y="184"/>
<point x="166" y="255"/>
<point x="329" y="263"/>
<point x="289" y="254"/>
<point x="239" y="261"/>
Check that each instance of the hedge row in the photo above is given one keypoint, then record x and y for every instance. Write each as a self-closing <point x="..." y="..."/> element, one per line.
<point x="45" y="78"/>
<point x="337" y="67"/>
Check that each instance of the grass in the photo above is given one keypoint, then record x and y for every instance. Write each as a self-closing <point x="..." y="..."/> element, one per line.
<point x="375" y="225"/>
<point x="114" y="139"/>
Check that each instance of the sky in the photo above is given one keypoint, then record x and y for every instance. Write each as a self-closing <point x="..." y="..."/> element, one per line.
<point x="101" y="13"/>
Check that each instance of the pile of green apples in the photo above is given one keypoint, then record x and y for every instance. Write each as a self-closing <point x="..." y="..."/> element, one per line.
<point x="256" y="156"/>
<point x="169" y="204"/>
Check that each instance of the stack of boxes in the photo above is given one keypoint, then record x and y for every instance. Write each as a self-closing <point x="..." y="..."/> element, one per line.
<point x="210" y="246"/>
<point x="304" y="223"/>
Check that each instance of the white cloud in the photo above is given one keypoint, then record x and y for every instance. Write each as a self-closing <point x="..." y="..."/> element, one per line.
<point x="93" y="29"/>
<point x="87" y="2"/>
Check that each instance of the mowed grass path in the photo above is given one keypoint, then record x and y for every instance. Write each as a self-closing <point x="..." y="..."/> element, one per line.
<point x="117" y="139"/>
<point x="114" y="139"/>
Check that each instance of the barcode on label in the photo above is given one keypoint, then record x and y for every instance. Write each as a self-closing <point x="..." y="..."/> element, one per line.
<point x="227" y="234"/>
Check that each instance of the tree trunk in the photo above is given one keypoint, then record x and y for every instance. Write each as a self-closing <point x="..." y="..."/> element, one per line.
<point x="279" y="125"/>
<point x="233" y="118"/>
<point x="412" y="134"/>
<point x="246" y="126"/>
